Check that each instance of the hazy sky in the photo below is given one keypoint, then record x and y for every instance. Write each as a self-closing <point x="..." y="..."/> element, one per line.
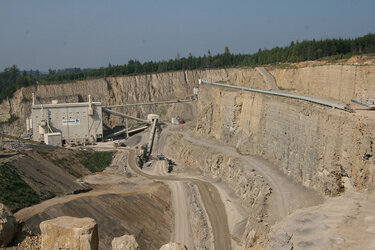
<point x="92" y="33"/>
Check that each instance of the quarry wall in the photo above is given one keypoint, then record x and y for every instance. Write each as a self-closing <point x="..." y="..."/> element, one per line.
<point x="121" y="90"/>
<point x="340" y="82"/>
<point x="324" y="149"/>
<point x="251" y="187"/>
<point x="327" y="150"/>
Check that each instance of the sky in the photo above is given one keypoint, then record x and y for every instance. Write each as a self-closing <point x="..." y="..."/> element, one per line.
<point x="43" y="34"/>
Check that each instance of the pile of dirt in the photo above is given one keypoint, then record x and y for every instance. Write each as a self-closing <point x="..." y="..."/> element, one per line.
<point x="31" y="175"/>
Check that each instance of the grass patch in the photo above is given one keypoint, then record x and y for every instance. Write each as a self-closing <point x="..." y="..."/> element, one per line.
<point x="14" y="192"/>
<point x="97" y="161"/>
<point x="65" y="164"/>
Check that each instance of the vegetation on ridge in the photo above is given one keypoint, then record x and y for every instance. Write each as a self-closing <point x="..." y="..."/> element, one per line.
<point x="97" y="161"/>
<point x="14" y="192"/>
<point x="12" y="79"/>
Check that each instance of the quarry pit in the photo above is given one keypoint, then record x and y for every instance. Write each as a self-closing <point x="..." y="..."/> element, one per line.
<point x="250" y="170"/>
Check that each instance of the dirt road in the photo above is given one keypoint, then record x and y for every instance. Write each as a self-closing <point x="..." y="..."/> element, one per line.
<point x="211" y="200"/>
<point x="182" y="232"/>
<point x="286" y="194"/>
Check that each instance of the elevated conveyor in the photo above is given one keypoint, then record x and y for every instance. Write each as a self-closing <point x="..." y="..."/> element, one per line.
<point x="292" y="96"/>
<point x="125" y="116"/>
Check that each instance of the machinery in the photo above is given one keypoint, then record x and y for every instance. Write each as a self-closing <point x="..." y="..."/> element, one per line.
<point x="71" y="123"/>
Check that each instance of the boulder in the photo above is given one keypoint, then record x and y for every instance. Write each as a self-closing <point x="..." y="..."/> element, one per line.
<point x="173" y="246"/>
<point x="125" y="242"/>
<point x="69" y="233"/>
<point x="8" y="226"/>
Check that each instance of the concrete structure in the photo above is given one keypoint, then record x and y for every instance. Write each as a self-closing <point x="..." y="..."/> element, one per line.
<point x="76" y="122"/>
<point x="152" y="117"/>
<point x="53" y="139"/>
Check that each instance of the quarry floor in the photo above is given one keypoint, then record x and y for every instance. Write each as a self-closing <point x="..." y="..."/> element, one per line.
<point x="153" y="205"/>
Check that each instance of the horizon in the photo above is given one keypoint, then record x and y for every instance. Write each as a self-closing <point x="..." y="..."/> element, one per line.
<point x="93" y="34"/>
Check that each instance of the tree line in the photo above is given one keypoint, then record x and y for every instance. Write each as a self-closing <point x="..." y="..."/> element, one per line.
<point x="12" y="79"/>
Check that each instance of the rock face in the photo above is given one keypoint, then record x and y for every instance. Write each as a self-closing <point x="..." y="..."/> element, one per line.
<point x="324" y="149"/>
<point x="125" y="242"/>
<point x="232" y="171"/>
<point x="173" y="246"/>
<point x="8" y="226"/>
<point x="124" y="89"/>
<point x="340" y="82"/>
<point x="69" y="233"/>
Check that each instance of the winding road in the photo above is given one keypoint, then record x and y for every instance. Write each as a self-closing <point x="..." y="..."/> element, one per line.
<point x="211" y="200"/>
<point x="287" y="195"/>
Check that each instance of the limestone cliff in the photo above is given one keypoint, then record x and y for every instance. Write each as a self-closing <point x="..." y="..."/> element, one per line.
<point x="340" y="82"/>
<point x="324" y="149"/>
<point x="121" y="90"/>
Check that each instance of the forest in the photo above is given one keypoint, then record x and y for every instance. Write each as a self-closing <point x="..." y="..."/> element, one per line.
<point x="12" y="78"/>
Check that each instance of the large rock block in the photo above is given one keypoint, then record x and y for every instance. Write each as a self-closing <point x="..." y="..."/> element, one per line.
<point x="173" y="246"/>
<point x="69" y="233"/>
<point x="125" y="242"/>
<point x="8" y="226"/>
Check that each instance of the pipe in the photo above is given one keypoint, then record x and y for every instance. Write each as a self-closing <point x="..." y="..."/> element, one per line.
<point x="298" y="97"/>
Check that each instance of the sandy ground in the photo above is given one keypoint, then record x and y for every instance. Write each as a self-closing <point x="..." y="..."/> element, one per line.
<point x="346" y="222"/>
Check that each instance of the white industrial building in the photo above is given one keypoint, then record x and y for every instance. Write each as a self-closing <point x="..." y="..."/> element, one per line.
<point x="71" y="123"/>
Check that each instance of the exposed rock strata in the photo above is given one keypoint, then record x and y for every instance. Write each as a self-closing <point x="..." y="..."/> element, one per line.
<point x="324" y="149"/>
<point x="340" y="82"/>
<point x="249" y="186"/>
<point x="125" y="89"/>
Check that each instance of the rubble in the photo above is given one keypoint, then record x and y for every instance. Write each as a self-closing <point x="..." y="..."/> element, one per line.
<point x="173" y="246"/>
<point x="125" y="242"/>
